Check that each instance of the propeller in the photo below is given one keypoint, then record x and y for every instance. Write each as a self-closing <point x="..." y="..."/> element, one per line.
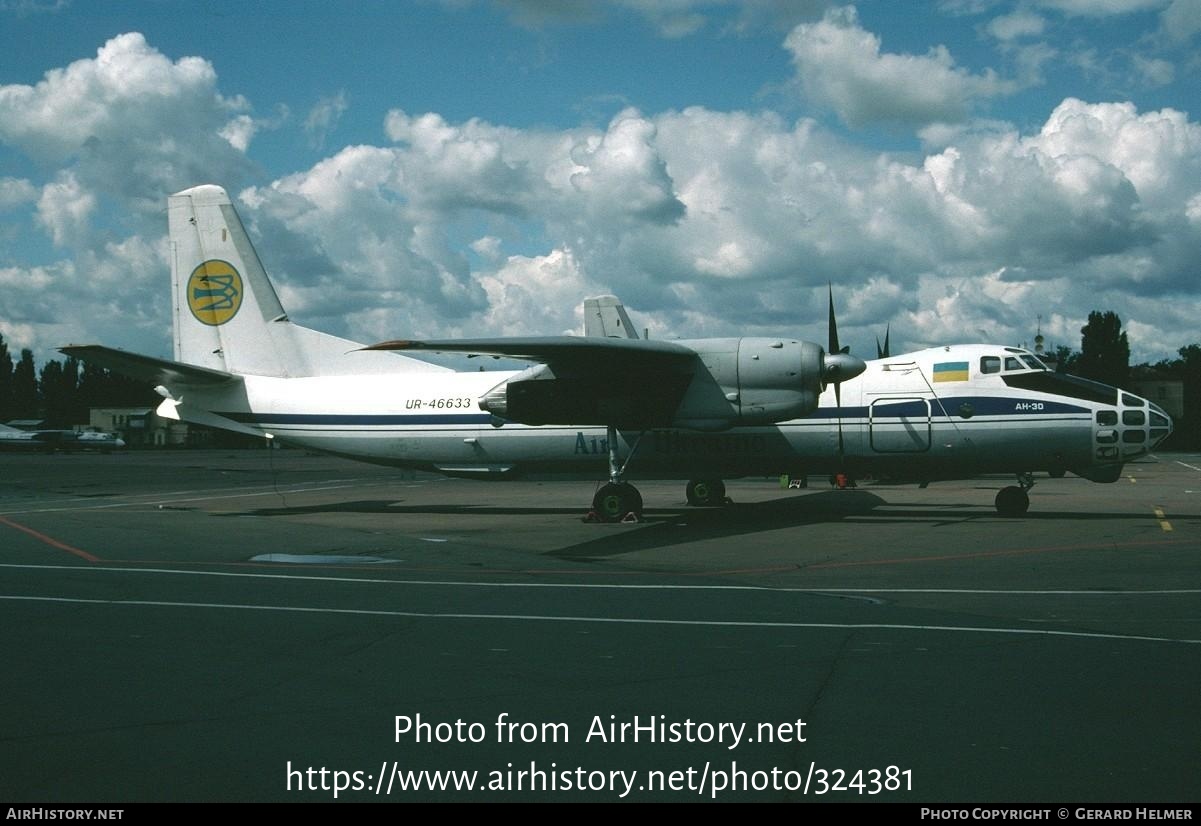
<point x="839" y="366"/>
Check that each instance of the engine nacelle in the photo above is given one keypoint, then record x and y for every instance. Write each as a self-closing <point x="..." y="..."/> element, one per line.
<point x="747" y="381"/>
<point x="730" y="382"/>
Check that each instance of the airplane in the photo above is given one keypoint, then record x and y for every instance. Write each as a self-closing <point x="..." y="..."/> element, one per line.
<point x="702" y="410"/>
<point x="48" y="441"/>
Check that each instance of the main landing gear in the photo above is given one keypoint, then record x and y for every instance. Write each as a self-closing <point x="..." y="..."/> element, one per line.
<point x="701" y="492"/>
<point x="617" y="500"/>
<point x="1013" y="500"/>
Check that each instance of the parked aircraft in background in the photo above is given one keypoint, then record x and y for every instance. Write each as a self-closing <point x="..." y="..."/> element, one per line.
<point x="703" y="410"/>
<point x="48" y="441"/>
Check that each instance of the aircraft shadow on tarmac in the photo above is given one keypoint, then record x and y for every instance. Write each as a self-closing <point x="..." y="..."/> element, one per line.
<point x="664" y="527"/>
<point x="687" y="525"/>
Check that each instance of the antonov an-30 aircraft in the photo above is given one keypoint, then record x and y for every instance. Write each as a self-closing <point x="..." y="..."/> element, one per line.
<point x="702" y="410"/>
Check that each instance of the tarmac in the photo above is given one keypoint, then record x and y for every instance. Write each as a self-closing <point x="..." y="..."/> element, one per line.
<point x="277" y="626"/>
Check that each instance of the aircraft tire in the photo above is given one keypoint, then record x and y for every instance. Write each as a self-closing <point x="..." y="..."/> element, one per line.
<point x="700" y="492"/>
<point x="613" y="501"/>
<point x="1012" y="501"/>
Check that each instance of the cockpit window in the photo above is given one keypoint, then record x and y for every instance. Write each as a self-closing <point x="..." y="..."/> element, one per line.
<point x="1033" y="363"/>
<point x="1012" y="364"/>
<point x="1132" y="401"/>
<point x="1107" y="418"/>
<point x="1062" y="384"/>
<point x="990" y="364"/>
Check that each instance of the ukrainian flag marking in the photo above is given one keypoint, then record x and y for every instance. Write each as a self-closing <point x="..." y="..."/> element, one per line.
<point x="950" y="371"/>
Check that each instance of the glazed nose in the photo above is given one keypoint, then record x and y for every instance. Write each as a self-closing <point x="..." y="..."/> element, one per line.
<point x="1159" y="425"/>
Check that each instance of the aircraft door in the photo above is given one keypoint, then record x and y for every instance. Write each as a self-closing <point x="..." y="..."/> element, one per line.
<point x="900" y="425"/>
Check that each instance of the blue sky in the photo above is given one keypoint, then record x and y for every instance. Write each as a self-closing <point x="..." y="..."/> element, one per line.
<point x="955" y="169"/>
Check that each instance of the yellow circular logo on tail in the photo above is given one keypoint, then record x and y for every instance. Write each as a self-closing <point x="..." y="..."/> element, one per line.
<point x="214" y="292"/>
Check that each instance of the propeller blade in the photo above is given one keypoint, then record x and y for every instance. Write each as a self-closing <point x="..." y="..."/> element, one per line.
<point x="838" y="408"/>
<point x="882" y="352"/>
<point x="839" y="365"/>
<point x="832" y="324"/>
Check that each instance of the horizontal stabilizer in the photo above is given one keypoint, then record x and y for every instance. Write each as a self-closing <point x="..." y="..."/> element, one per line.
<point x="147" y="368"/>
<point x="180" y="412"/>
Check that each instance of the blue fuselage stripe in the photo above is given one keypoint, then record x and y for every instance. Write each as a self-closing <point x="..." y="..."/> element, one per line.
<point x="990" y="408"/>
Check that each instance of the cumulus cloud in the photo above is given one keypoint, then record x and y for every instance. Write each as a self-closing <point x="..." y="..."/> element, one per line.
<point x="239" y="132"/>
<point x="1100" y="8"/>
<point x="130" y="123"/>
<point x="841" y="65"/>
<point x="994" y="226"/>
<point x="16" y="191"/>
<point x="116" y="294"/>
<point x="1153" y="71"/>
<point x="622" y="174"/>
<point x="64" y="208"/>
<point x="324" y="117"/>
<point x="538" y="295"/>
<point x="1016" y="25"/>
<point x="704" y="222"/>
<point x="1181" y="20"/>
<point x="116" y="131"/>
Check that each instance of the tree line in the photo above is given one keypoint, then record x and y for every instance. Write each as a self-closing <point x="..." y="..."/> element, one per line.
<point x="62" y="392"/>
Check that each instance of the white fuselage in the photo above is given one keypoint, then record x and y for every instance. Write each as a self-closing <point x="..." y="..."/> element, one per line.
<point x="907" y="416"/>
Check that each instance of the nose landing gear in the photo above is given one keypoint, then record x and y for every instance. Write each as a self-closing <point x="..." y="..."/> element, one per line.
<point x="1013" y="500"/>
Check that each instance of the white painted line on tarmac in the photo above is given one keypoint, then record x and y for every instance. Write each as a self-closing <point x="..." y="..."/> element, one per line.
<point x="175" y="500"/>
<point x="835" y="626"/>
<point x="443" y="583"/>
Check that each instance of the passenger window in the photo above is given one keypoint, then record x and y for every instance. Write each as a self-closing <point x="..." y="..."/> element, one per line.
<point x="1132" y="401"/>
<point x="990" y="364"/>
<point x="1134" y="436"/>
<point x="1133" y="417"/>
<point x="1107" y="418"/>
<point x="1012" y="364"/>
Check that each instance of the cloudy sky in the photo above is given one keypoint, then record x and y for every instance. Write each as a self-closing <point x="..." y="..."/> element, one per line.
<point x="955" y="169"/>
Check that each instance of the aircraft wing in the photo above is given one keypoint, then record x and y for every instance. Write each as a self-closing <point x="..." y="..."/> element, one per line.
<point x="147" y="368"/>
<point x="584" y="352"/>
<point x="580" y="380"/>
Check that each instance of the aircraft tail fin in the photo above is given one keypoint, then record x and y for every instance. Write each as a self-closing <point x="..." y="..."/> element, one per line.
<point x="228" y="316"/>
<point x="605" y="317"/>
